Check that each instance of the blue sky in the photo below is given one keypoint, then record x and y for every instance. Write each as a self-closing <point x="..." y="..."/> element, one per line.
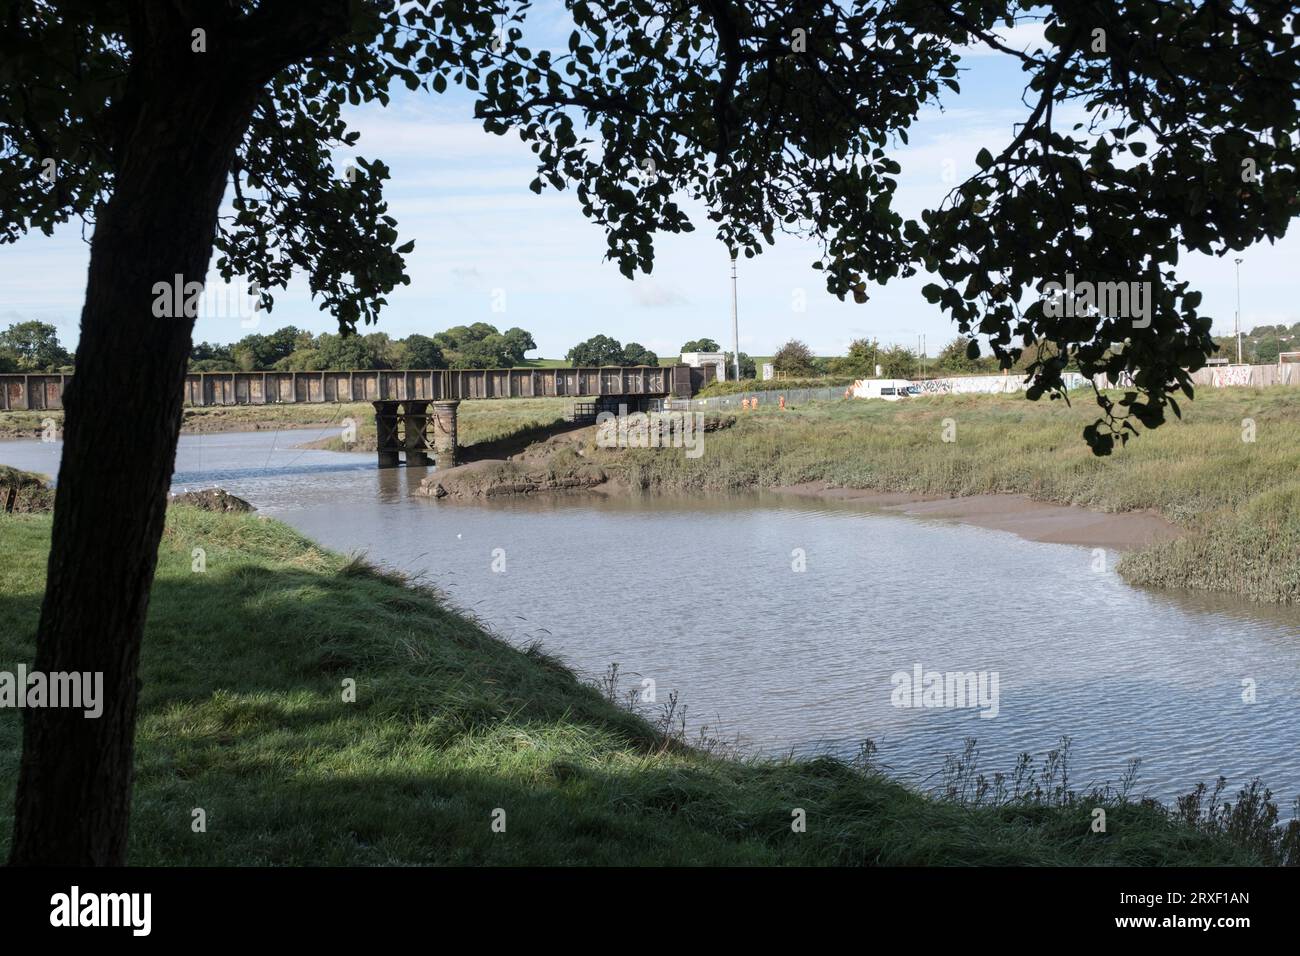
<point x="488" y="249"/>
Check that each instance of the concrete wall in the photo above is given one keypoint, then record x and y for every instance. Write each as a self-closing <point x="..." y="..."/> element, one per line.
<point x="1217" y="376"/>
<point x="1228" y="376"/>
<point x="31" y="391"/>
<point x="955" y="385"/>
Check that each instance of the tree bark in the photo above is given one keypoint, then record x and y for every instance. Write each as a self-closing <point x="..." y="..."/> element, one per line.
<point x="181" y="125"/>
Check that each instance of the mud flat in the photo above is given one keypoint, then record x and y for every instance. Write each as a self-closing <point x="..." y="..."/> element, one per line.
<point x="1034" y="520"/>
<point x="494" y="478"/>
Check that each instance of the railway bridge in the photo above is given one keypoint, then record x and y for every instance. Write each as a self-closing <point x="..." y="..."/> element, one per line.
<point x="415" y="410"/>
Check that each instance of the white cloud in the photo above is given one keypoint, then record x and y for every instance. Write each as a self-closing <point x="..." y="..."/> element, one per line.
<point x="1023" y="37"/>
<point x="463" y="196"/>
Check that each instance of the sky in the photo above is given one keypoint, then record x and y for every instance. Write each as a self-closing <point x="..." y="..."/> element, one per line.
<point x="487" y="249"/>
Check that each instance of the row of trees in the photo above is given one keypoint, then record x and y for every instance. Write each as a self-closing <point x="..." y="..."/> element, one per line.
<point x="463" y="346"/>
<point x="32" y="347"/>
<point x="481" y="346"/>
<point x="960" y="356"/>
<point x="1263" y="345"/>
<point x="796" y="360"/>
<point x="603" y="350"/>
<point x="291" y="349"/>
<point x="963" y="356"/>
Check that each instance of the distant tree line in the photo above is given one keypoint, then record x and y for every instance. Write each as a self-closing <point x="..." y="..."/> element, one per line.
<point x="32" y="347"/>
<point x="603" y="350"/>
<point x="290" y="349"/>
<point x="795" y="360"/>
<point x="1262" y="346"/>
<point x="961" y="356"/>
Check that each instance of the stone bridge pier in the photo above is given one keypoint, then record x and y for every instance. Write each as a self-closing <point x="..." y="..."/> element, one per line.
<point x="444" y="433"/>
<point x="408" y="430"/>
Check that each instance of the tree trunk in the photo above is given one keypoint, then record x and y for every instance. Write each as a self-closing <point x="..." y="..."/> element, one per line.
<point x="123" y="413"/>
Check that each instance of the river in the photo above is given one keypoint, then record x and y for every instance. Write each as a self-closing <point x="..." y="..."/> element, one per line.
<point x="786" y="624"/>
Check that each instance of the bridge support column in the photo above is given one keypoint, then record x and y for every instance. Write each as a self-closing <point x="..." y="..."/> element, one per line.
<point x="416" y="420"/>
<point x="386" y="434"/>
<point x="443" y="424"/>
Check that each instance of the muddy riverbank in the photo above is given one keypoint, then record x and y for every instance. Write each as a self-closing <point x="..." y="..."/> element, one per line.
<point x="1034" y="520"/>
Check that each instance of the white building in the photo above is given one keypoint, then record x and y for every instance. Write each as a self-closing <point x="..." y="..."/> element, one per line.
<point x="701" y="359"/>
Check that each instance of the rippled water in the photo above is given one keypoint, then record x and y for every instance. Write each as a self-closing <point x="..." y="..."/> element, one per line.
<point x="702" y="597"/>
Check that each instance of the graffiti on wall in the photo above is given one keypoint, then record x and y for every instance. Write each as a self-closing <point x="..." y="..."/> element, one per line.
<point x="1230" y="375"/>
<point x="957" y="385"/>
<point x="936" y="386"/>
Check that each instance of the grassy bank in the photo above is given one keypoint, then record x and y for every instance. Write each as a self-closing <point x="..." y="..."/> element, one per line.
<point x="26" y="424"/>
<point x="1238" y="500"/>
<point x="242" y="715"/>
<point x="733" y="387"/>
<point x="24" y="491"/>
<point x="223" y="418"/>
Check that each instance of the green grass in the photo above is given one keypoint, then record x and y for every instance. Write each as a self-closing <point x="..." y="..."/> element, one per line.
<point x="215" y="418"/>
<point x="20" y="479"/>
<point x="242" y="715"/>
<point x="733" y="387"/>
<point x="478" y="420"/>
<point x="545" y="363"/>
<point x="1238" y="500"/>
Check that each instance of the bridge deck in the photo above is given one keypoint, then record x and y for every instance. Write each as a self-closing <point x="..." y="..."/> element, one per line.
<point x="45" y="391"/>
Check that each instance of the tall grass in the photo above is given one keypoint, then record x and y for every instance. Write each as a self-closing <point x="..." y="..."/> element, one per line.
<point x="733" y="387"/>
<point x="1238" y="500"/>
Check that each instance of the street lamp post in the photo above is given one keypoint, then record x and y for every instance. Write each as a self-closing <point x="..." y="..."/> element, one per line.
<point x="1238" y="320"/>
<point x="735" y="327"/>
